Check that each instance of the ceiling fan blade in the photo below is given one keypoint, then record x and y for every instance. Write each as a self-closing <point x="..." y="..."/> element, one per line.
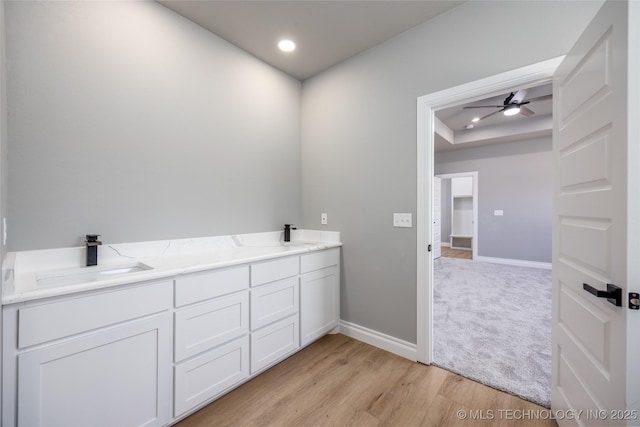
<point x="526" y="112"/>
<point x="490" y="114"/>
<point x="519" y="96"/>
<point x="540" y="98"/>
<point x="484" y="106"/>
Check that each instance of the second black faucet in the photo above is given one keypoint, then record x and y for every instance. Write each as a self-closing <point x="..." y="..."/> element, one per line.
<point x="92" y="249"/>
<point x="287" y="232"/>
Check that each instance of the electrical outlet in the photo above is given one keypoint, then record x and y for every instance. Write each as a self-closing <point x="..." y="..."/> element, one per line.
<point x="323" y="218"/>
<point x="402" y="220"/>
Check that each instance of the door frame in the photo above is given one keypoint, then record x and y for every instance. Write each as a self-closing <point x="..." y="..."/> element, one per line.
<point x="528" y="76"/>
<point x="474" y="198"/>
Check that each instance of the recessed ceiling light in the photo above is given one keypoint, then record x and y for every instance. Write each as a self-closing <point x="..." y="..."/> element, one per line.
<point x="286" y="45"/>
<point x="511" y="110"/>
<point x="475" y="119"/>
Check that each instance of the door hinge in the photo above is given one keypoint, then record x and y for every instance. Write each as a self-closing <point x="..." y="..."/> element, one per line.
<point x="634" y="301"/>
<point x="429" y="248"/>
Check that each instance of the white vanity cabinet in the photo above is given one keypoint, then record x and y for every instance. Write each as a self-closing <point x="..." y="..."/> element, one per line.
<point x="150" y="353"/>
<point x="211" y="335"/>
<point x="319" y="294"/>
<point x="101" y="359"/>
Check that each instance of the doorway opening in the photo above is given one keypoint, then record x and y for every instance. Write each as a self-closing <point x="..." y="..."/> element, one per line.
<point x="528" y="76"/>
<point x="492" y="322"/>
<point x="458" y="215"/>
<point x="524" y="78"/>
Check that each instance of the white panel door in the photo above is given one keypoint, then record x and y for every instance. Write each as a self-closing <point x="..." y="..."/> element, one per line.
<point x="437" y="217"/>
<point x="590" y="245"/>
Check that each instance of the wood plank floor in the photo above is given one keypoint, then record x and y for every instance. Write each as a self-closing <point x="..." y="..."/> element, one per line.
<point x="339" y="381"/>
<point x="455" y="253"/>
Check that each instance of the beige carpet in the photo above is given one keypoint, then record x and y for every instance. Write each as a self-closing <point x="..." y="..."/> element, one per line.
<point x="492" y="324"/>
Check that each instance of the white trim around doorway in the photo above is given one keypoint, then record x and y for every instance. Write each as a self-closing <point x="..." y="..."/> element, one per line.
<point x="528" y="76"/>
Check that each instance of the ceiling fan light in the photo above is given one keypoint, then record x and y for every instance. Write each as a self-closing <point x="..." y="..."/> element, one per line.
<point x="511" y="110"/>
<point x="475" y="119"/>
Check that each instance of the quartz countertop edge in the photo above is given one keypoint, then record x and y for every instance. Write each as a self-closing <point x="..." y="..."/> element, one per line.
<point x="20" y="284"/>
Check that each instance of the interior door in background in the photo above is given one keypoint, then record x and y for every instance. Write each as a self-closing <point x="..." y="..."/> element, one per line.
<point x="592" y="361"/>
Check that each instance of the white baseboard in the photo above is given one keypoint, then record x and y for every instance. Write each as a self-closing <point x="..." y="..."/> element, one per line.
<point x="378" y="339"/>
<point x="445" y="244"/>
<point x="516" y="262"/>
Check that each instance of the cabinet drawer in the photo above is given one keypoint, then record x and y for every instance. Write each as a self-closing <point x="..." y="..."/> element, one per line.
<point x="211" y="284"/>
<point x="273" y="302"/>
<point x="274" y="342"/>
<point x="209" y="374"/>
<point x="318" y="260"/>
<point x="270" y="271"/>
<point x="59" y="319"/>
<point x="209" y="324"/>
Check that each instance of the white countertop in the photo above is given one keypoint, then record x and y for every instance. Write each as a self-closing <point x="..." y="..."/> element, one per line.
<point x="31" y="275"/>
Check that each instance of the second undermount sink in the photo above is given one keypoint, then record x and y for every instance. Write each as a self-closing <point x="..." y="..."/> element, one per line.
<point x="88" y="274"/>
<point x="298" y="244"/>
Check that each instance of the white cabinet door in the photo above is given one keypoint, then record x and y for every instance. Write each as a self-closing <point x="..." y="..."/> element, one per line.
<point x="462" y="186"/>
<point x="319" y="303"/>
<point x="119" y="377"/>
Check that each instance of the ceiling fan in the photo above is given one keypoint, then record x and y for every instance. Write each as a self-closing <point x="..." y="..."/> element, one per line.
<point x="513" y="104"/>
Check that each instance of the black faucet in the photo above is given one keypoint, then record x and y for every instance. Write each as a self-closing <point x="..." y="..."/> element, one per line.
<point x="92" y="249"/>
<point x="287" y="232"/>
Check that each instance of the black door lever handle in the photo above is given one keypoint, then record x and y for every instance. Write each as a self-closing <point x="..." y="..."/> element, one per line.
<point x="613" y="294"/>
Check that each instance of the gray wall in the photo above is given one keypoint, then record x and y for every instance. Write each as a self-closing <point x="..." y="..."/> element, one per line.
<point x="3" y="126"/>
<point x="516" y="178"/>
<point x="359" y="138"/>
<point x="127" y="120"/>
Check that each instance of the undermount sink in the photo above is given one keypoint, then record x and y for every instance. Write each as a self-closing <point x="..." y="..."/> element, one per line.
<point x="294" y="244"/>
<point x="298" y="244"/>
<point x="88" y="274"/>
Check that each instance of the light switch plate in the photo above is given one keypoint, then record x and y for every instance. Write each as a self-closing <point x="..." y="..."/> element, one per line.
<point x="402" y="220"/>
<point x="323" y="218"/>
<point x="498" y="213"/>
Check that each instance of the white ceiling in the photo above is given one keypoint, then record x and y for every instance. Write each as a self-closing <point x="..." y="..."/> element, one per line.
<point x="326" y="32"/>
<point x="498" y="127"/>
